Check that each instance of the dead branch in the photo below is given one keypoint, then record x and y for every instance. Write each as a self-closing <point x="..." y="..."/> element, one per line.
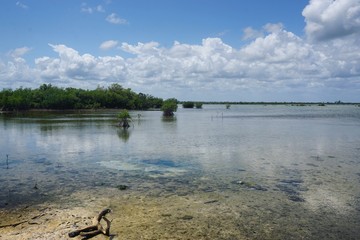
<point x="96" y="229"/>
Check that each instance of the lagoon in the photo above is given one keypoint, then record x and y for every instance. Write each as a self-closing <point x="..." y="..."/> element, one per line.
<point x="248" y="172"/>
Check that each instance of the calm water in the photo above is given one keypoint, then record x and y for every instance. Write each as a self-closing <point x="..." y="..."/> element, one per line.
<point x="307" y="156"/>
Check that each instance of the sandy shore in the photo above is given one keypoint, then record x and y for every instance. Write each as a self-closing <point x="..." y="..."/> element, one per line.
<point x="158" y="214"/>
<point x="133" y="217"/>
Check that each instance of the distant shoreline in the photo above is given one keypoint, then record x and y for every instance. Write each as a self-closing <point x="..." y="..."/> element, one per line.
<point x="296" y="104"/>
<point x="275" y="103"/>
<point x="74" y="110"/>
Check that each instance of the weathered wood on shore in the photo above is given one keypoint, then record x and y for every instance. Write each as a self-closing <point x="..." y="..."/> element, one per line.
<point x="96" y="229"/>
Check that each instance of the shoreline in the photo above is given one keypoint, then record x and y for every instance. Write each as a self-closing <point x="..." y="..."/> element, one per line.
<point x="165" y="215"/>
<point x="75" y="110"/>
<point x="291" y="104"/>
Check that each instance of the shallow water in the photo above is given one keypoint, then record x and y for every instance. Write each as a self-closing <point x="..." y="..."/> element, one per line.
<point x="278" y="171"/>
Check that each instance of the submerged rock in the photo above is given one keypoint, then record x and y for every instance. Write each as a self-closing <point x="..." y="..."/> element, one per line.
<point x="296" y="198"/>
<point x="292" y="181"/>
<point x="287" y="189"/>
<point x="238" y="182"/>
<point x="312" y="165"/>
<point x="122" y="187"/>
<point x="259" y="188"/>
<point x="292" y="188"/>
<point x="250" y="185"/>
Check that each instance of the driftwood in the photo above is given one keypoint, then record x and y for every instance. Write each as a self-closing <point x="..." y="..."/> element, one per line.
<point x="96" y="229"/>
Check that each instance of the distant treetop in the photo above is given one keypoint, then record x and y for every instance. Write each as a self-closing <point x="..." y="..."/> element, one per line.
<point x="52" y="97"/>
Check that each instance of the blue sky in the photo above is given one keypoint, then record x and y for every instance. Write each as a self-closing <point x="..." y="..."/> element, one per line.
<point x="208" y="50"/>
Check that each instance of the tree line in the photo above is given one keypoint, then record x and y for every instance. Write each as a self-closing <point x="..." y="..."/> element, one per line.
<point x="52" y="97"/>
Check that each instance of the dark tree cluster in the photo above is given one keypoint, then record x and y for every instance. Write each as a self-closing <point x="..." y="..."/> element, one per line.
<point x="192" y="104"/>
<point x="52" y="97"/>
<point x="188" y="104"/>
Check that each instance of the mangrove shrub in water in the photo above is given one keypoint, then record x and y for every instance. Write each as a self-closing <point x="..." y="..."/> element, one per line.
<point x="188" y="104"/>
<point x="169" y="107"/>
<point x="124" y="118"/>
<point x="198" y="105"/>
<point x="192" y="104"/>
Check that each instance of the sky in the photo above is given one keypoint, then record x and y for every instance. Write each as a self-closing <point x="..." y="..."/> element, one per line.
<point x="199" y="50"/>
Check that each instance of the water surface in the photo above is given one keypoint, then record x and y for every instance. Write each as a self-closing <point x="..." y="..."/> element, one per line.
<point x="284" y="171"/>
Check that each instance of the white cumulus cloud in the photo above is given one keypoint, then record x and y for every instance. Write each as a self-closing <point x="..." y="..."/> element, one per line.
<point x="331" y="19"/>
<point x="72" y="66"/>
<point x="108" y="44"/>
<point x="275" y="61"/>
<point x="251" y="33"/>
<point x="15" y="71"/>
<point x="86" y="9"/>
<point x="141" y="48"/>
<point x="115" y="19"/>
<point x="18" y="52"/>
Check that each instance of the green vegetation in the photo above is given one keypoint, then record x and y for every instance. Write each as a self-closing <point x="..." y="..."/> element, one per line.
<point x="169" y="107"/>
<point x="188" y="104"/>
<point x="198" y="105"/>
<point x="124" y="118"/>
<point x="115" y="96"/>
<point x="51" y="97"/>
